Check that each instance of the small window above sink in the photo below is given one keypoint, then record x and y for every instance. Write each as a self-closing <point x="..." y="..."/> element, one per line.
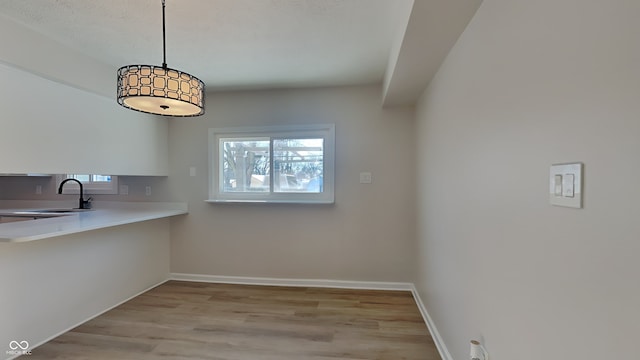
<point x="93" y="184"/>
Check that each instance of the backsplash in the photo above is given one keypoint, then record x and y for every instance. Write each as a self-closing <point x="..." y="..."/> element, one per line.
<point x="25" y="188"/>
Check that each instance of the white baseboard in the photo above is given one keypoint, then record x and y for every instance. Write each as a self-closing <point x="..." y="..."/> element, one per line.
<point x="367" y="285"/>
<point x="437" y="339"/>
<point x="91" y="317"/>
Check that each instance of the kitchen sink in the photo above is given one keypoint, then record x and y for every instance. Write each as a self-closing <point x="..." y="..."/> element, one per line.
<point x="21" y="215"/>
<point x="55" y="211"/>
<point x="25" y="215"/>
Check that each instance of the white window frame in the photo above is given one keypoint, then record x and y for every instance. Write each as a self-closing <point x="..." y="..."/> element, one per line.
<point x="325" y="131"/>
<point x="92" y="188"/>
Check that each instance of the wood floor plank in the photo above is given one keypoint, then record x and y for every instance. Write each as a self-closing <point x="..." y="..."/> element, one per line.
<point x="188" y="320"/>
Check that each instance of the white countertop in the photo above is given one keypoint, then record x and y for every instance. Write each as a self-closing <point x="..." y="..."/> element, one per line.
<point x="104" y="214"/>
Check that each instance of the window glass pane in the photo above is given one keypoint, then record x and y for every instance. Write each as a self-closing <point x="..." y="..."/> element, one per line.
<point x="245" y="165"/>
<point x="90" y="178"/>
<point x="298" y="165"/>
<point x="101" y="178"/>
<point x="83" y="178"/>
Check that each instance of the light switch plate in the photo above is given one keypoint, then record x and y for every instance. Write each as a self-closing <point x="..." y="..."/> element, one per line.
<point x="565" y="185"/>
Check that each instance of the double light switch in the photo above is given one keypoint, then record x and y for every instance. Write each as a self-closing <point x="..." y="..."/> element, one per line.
<point x="566" y="185"/>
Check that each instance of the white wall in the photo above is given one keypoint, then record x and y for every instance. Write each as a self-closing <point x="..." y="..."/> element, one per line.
<point x="51" y="285"/>
<point x="368" y="234"/>
<point x="529" y="84"/>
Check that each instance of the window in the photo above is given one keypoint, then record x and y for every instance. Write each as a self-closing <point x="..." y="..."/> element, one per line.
<point x="91" y="183"/>
<point x="292" y="164"/>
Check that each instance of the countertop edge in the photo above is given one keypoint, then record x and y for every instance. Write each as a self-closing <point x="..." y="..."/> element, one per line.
<point x="90" y="221"/>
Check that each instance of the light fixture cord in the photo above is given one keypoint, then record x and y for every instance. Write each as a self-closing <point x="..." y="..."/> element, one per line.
<point x="164" y="40"/>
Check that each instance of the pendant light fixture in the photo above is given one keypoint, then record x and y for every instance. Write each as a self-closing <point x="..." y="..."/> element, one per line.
<point x="160" y="90"/>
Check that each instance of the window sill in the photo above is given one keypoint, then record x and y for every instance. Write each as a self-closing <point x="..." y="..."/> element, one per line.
<point x="313" y="202"/>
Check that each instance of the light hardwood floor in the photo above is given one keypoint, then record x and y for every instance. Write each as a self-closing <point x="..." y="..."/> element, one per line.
<point x="188" y="320"/>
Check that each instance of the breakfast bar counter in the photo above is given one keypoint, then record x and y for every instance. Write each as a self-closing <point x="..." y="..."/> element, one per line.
<point x="105" y="214"/>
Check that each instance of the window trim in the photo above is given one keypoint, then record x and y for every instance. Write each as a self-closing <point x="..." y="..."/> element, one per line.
<point x="92" y="188"/>
<point x="325" y="131"/>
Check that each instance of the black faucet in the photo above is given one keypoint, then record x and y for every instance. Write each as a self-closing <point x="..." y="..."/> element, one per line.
<point x="82" y="203"/>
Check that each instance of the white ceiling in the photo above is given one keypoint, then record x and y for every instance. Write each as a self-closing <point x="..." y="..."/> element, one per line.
<point x="240" y="44"/>
<point x="228" y="43"/>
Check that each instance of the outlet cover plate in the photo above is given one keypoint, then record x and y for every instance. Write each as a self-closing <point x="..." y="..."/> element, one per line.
<point x="365" y="178"/>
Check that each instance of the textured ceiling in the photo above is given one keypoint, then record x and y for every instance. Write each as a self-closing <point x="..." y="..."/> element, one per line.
<point x="229" y="44"/>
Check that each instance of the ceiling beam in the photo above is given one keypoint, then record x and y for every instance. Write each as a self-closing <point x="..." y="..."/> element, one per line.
<point x="433" y="27"/>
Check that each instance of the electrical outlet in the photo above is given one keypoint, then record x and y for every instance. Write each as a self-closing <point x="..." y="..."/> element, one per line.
<point x="147" y="190"/>
<point x="38" y="189"/>
<point x="365" y="178"/>
<point x="478" y="352"/>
